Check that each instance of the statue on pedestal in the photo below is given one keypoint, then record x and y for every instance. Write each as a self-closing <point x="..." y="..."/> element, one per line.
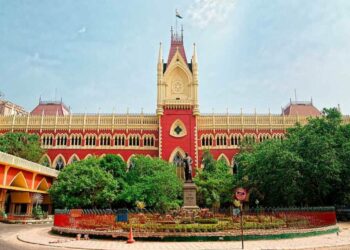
<point x="188" y="168"/>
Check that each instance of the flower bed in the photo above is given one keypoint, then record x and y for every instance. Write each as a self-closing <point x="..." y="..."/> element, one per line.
<point x="180" y="223"/>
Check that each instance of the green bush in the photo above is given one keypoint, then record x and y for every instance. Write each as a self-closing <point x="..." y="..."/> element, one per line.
<point x="38" y="212"/>
<point x="206" y="221"/>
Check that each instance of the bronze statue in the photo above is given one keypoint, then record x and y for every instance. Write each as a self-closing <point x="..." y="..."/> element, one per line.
<point x="188" y="167"/>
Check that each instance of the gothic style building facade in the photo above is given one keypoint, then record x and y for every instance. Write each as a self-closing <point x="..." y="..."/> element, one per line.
<point x="176" y="128"/>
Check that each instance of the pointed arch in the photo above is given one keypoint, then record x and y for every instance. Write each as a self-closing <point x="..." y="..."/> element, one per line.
<point x="73" y="158"/>
<point x="19" y="181"/>
<point x="59" y="162"/>
<point x="43" y="185"/>
<point x="87" y="156"/>
<point x="175" y="151"/>
<point x="101" y="156"/>
<point x="175" y="64"/>
<point x="148" y="156"/>
<point x="129" y="161"/>
<point x="224" y="158"/>
<point x="45" y="160"/>
<point x="121" y="156"/>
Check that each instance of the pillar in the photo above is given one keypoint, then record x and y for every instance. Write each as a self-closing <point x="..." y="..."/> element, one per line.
<point x="12" y="208"/>
<point x="29" y="209"/>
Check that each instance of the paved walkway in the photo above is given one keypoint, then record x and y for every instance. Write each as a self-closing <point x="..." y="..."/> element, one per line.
<point x="42" y="236"/>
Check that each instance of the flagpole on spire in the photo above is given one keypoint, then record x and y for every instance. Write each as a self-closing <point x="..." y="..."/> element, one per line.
<point x="177" y="15"/>
<point x="176" y="22"/>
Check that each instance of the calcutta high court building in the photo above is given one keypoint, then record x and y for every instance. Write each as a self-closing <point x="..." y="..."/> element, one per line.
<point x="177" y="126"/>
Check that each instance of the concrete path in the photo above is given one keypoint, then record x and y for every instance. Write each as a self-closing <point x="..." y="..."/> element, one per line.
<point x="41" y="236"/>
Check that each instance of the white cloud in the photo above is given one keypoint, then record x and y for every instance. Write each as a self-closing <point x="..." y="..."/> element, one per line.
<point x="82" y="30"/>
<point x="37" y="59"/>
<point x="205" y="12"/>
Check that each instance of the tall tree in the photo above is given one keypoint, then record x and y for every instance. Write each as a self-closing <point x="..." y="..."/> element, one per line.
<point x="154" y="182"/>
<point x="84" y="184"/>
<point x="23" y="145"/>
<point x="215" y="183"/>
<point x="306" y="168"/>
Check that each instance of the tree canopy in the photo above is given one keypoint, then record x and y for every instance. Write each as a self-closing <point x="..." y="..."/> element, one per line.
<point x="215" y="182"/>
<point x="23" y="145"/>
<point x="310" y="167"/>
<point x="154" y="182"/>
<point x="84" y="184"/>
<point x="107" y="183"/>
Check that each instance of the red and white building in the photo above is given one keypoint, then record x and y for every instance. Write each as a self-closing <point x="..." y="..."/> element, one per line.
<point x="176" y="127"/>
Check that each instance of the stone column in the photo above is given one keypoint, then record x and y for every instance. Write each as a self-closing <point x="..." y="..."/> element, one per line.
<point x="49" y="211"/>
<point x="12" y="208"/>
<point x="29" y="209"/>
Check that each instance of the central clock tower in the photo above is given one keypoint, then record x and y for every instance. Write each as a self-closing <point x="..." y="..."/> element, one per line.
<point x="177" y="102"/>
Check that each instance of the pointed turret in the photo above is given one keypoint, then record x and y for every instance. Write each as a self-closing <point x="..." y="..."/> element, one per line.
<point x="177" y="78"/>
<point x="194" y="56"/>
<point x="176" y="44"/>
<point x="159" y="80"/>
<point x="195" y="80"/>
<point x="160" y="54"/>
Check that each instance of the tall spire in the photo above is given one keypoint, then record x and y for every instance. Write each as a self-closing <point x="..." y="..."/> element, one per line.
<point x="194" y="56"/>
<point x="176" y="44"/>
<point x="160" y="54"/>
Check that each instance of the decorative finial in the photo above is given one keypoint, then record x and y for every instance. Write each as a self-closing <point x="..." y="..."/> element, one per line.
<point x="160" y="53"/>
<point x="182" y="32"/>
<point x="194" y="56"/>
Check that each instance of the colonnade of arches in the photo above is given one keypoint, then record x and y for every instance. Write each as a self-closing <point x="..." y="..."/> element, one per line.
<point x="16" y="200"/>
<point x="208" y="140"/>
<point x="92" y="140"/>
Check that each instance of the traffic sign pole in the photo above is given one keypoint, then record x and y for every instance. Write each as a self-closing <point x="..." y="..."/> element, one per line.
<point x="241" y="207"/>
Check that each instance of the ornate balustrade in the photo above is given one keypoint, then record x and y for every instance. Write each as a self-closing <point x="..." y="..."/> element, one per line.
<point x="80" y="121"/>
<point x="228" y="121"/>
<point x="148" y="122"/>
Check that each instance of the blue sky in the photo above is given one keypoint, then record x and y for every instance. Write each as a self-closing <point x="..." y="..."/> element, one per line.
<point x="102" y="54"/>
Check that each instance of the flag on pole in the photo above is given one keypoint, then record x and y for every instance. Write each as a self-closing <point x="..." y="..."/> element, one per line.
<point x="178" y="15"/>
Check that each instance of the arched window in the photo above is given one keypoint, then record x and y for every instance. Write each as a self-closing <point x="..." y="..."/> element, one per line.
<point x="264" y="137"/>
<point x="148" y="141"/>
<point x="61" y="140"/>
<point x="249" y="138"/>
<point x="221" y="140"/>
<point x="119" y="140"/>
<point x="223" y="158"/>
<point x="278" y="137"/>
<point x="46" y="140"/>
<point x="75" y="140"/>
<point x="73" y="159"/>
<point x="134" y="140"/>
<point x="131" y="162"/>
<point x="90" y="140"/>
<point x="45" y="161"/>
<point x="59" y="163"/>
<point x="207" y="140"/>
<point x="105" y="140"/>
<point x="235" y="140"/>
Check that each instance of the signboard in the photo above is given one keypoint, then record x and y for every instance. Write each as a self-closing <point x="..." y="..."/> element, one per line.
<point x="236" y="211"/>
<point x="75" y="213"/>
<point x="241" y="194"/>
<point x="122" y="215"/>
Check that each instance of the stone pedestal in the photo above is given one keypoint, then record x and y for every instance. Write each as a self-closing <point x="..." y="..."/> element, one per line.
<point x="190" y="199"/>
